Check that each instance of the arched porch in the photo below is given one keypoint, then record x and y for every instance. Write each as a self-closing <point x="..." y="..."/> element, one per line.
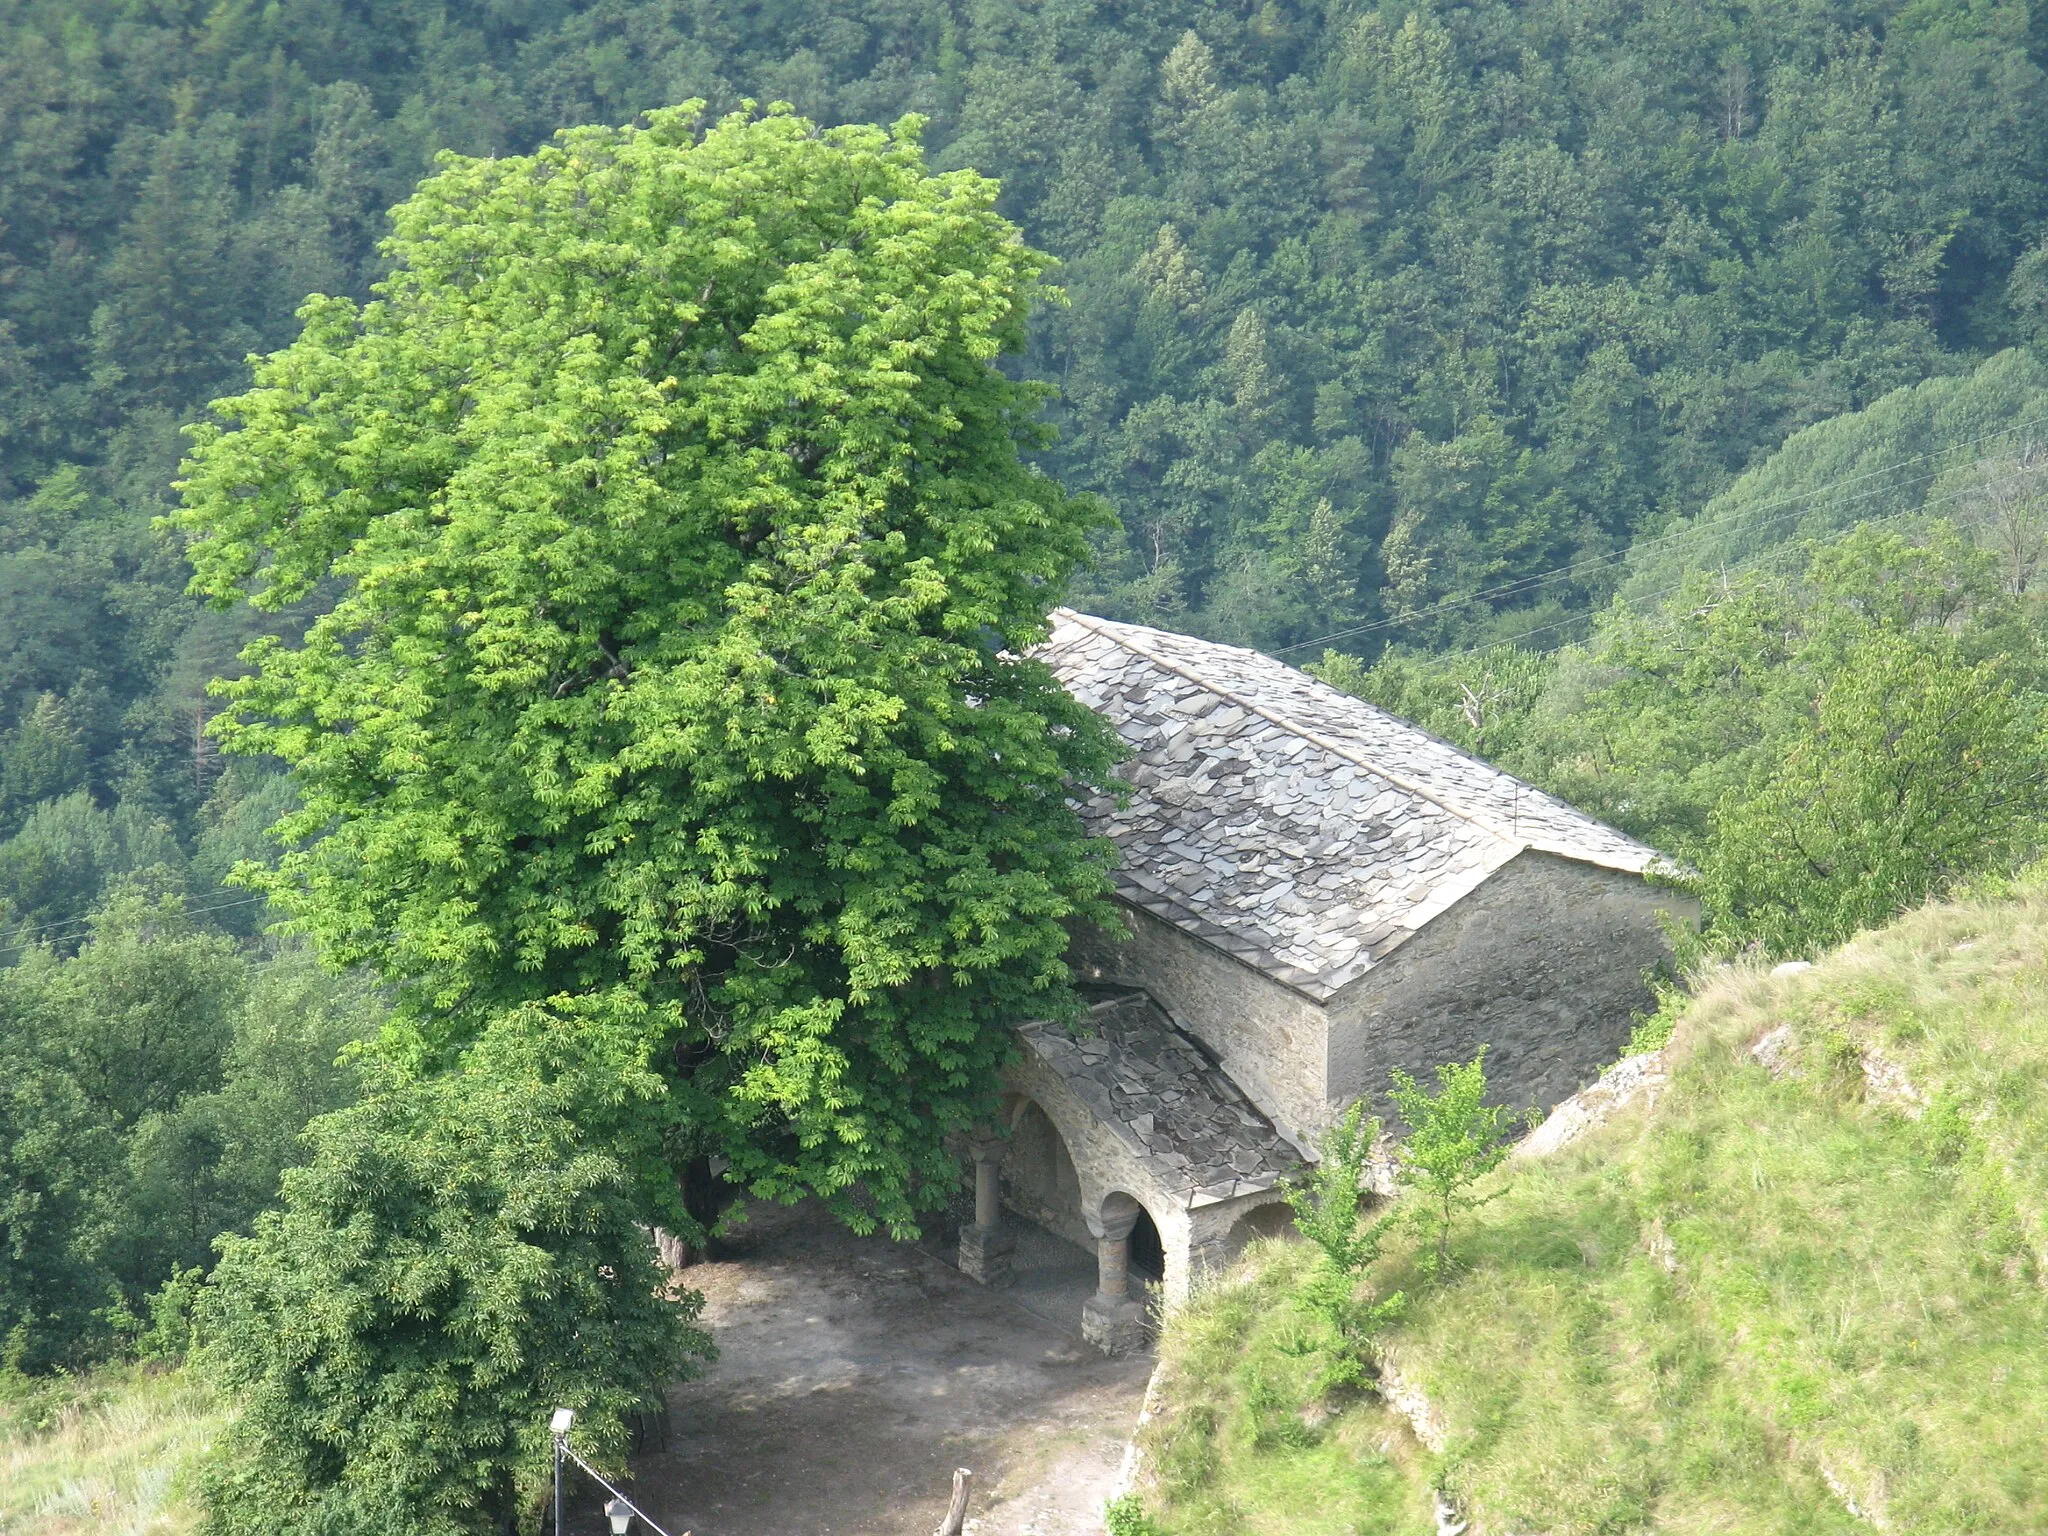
<point x="1128" y="1142"/>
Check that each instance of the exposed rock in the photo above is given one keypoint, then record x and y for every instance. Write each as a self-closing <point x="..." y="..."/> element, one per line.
<point x="1593" y="1106"/>
<point x="1769" y="1050"/>
<point x="1657" y="1243"/>
<point x="1409" y="1402"/>
<point x="1885" y="1082"/>
<point x="1870" y="1511"/>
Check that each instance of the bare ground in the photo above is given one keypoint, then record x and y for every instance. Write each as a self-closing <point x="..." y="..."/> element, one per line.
<point x="856" y="1373"/>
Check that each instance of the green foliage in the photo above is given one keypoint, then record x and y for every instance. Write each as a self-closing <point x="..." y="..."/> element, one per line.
<point x="1125" y="1516"/>
<point x="1930" y="448"/>
<point x="211" y="1161"/>
<point x="691" y="565"/>
<point x="56" y="1157"/>
<point x="90" y="610"/>
<point x="70" y="855"/>
<point x="142" y="1016"/>
<point x="1653" y="1030"/>
<point x="1913" y="768"/>
<point x="152" y="1088"/>
<point x="41" y="758"/>
<point x="165" y="1335"/>
<point x="459" y="1256"/>
<point x="1255" y="1442"/>
<point x="1455" y="1138"/>
<point x="1823" y="746"/>
<point x="1328" y="1203"/>
<point x="1329" y="1210"/>
<point x="1481" y="701"/>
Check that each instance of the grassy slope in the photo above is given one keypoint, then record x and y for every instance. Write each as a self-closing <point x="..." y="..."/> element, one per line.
<point x="1740" y="1307"/>
<point x="109" y="1454"/>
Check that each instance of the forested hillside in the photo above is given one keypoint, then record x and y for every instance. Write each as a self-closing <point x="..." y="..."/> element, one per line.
<point x="1431" y="327"/>
<point x="1368" y="306"/>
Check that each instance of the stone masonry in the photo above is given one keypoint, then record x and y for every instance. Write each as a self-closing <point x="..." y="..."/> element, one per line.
<point x="1317" y="893"/>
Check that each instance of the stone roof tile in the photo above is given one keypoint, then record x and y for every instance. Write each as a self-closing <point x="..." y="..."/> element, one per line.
<point x="1274" y="816"/>
<point x="1153" y="1087"/>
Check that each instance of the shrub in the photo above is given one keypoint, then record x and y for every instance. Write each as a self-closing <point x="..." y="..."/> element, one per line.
<point x="461" y="1256"/>
<point x="1328" y="1208"/>
<point x="1126" y="1517"/>
<point x="1455" y="1139"/>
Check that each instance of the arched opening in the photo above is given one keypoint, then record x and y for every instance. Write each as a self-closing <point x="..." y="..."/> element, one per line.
<point x="1275" y="1220"/>
<point x="1148" y="1253"/>
<point x="1040" y="1178"/>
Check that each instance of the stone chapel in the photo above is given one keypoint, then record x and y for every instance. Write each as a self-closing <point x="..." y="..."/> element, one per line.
<point x="1317" y="892"/>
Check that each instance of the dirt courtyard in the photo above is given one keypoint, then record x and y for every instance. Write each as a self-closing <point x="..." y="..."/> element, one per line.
<point x="855" y="1373"/>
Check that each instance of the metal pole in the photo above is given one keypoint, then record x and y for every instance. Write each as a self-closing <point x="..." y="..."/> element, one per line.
<point x="606" y="1484"/>
<point x="559" y="1427"/>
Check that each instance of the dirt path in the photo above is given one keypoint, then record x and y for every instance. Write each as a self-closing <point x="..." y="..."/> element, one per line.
<point x="856" y="1373"/>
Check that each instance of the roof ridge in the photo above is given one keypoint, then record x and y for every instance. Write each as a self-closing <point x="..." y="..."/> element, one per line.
<point x="1349" y="755"/>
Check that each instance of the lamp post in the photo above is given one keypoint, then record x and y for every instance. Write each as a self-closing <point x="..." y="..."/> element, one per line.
<point x="558" y="1426"/>
<point x="621" y="1511"/>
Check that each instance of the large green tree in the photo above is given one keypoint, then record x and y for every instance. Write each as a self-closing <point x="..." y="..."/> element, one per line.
<point x="687" y="564"/>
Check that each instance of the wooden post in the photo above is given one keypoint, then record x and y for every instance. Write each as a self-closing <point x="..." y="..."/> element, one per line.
<point x="956" y="1512"/>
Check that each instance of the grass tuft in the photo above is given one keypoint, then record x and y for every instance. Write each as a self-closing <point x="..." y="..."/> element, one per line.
<point x="1803" y="1293"/>
<point x="1250" y="1442"/>
<point x="109" y="1453"/>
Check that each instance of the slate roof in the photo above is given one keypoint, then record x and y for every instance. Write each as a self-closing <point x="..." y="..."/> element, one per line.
<point x="1292" y="825"/>
<point x="1181" y="1116"/>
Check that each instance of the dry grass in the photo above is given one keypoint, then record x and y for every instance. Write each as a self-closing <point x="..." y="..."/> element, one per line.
<point x="1801" y="1299"/>
<point x="109" y="1454"/>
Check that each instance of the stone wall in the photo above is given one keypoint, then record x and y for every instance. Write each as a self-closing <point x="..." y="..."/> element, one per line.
<point x="1196" y="1239"/>
<point x="1543" y="964"/>
<point x="1103" y="1166"/>
<point x="1267" y="1036"/>
<point x="1039" y="1177"/>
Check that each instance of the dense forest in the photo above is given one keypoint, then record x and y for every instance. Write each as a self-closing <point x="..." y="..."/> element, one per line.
<point x="1429" y="329"/>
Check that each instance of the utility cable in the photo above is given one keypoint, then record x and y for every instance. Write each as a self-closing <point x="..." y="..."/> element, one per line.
<point x="78" y="928"/>
<point x="1794" y="505"/>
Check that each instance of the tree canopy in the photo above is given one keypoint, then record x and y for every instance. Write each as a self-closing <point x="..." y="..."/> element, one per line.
<point x="1412" y="317"/>
<point x="152" y="1086"/>
<point x="1827" y="742"/>
<point x="460" y="1255"/>
<point x="685" y="562"/>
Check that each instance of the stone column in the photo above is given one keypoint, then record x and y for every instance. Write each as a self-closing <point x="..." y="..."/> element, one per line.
<point x="1112" y="1319"/>
<point x="986" y="1247"/>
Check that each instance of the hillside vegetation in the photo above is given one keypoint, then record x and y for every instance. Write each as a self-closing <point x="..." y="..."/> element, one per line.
<point x="615" y="592"/>
<point x="111" y="1454"/>
<point x="1797" y="1287"/>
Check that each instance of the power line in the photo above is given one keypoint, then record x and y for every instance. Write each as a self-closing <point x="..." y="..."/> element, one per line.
<point x="73" y="928"/>
<point x="78" y="928"/>
<point x="1794" y="505"/>
<point x="1762" y="556"/>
